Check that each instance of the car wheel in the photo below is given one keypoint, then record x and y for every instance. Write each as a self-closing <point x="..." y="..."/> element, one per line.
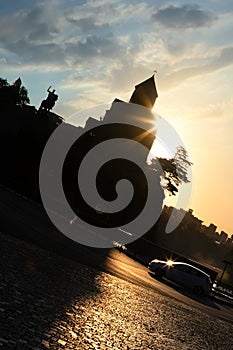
<point x="159" y="273"/>
<point x="198" y="290"/>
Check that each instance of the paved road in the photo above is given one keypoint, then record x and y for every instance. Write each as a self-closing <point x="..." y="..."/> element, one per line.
<point x="26" y="220"/>
<point x="53" y="297"/>
<point x="50" y="302"/>
<point x="121" y="265"/>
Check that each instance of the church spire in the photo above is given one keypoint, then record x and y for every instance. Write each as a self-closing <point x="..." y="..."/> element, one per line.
<point x="145" y="93"/>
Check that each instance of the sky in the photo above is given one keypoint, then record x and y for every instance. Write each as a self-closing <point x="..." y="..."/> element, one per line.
<point x="94" y="51"/>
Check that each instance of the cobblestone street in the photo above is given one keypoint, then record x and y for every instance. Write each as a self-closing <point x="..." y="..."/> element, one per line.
<point x="49" y="302"/>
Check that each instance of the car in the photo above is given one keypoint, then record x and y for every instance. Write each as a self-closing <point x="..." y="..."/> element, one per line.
<point x="183" y="274"/>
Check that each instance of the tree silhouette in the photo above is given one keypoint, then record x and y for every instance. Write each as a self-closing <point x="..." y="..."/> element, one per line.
<point x="23" y="98"/>
<point x="3" y="83"/>
<point x="175" y="170"/>
<point x="12" y="94"/>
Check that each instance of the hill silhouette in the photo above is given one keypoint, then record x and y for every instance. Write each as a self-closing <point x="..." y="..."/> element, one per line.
<point x="24" y="133"/>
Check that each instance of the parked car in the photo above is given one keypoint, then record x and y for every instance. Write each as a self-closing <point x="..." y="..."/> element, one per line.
<point x="183" y="274"/>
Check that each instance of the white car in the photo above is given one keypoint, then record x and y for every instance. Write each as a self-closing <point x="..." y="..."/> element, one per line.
<point x="183" y="274"/>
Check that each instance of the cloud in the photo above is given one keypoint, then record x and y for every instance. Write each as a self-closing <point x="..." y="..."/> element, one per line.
<point x="89" y="52"/>
<point x="77" y="39"/>
<point x="36" y="23"/>
<point x="186" y="16"/>
<point x="123" y="77"/>
<point x="94" y="47"/>
<point x="37" y="53"/>
<point x="218" y="62"/>
<point x="42" y="34"/>
<point x="88" y="24"/>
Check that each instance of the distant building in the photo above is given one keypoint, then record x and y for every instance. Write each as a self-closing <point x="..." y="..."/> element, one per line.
<point x="192" y="222"/>
<point x="229" y="241"/>
<point x="189" y="223"/>
<point x="210" y="231"/>
<point x="215" y="237"/>
<point x="212" y="228"/>
<point x="223" y="237"/>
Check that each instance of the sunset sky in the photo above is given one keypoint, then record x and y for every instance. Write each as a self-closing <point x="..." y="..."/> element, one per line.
<point x="94" y="51"/>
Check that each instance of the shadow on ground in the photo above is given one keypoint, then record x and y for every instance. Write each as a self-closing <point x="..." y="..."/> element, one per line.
<point x="39" y="287"/>
<point x="39" y="290"/>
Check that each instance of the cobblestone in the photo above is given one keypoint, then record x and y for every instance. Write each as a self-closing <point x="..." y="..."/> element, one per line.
<point x="48" y="302"/>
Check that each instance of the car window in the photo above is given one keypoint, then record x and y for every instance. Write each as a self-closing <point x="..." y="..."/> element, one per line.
<point x="181" y="267"/>
<point x="199" y="274"/>
<point x="188" y="269"/>
<point x="195" y="272"/>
